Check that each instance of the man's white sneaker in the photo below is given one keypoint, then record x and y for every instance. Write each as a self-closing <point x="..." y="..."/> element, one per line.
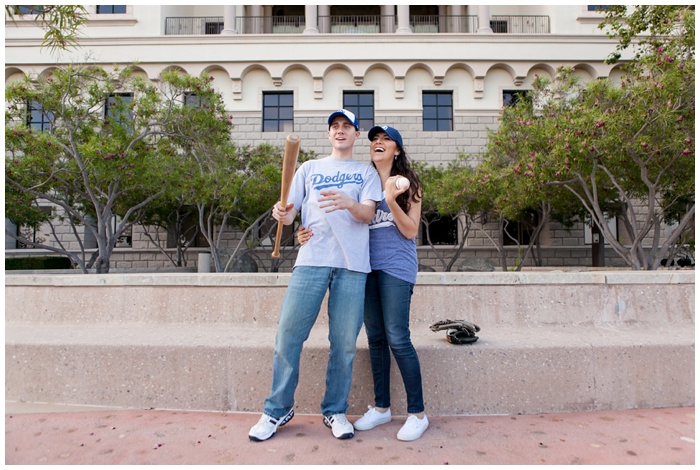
<point x="413" y="428"/>
<point x="342" y="429"/>
<point x="372" y="419"/>
<point x="266" y="427"/>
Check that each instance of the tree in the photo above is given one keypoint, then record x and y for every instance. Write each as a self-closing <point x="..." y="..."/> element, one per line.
<point x="450" y="192"/>
<point x="650" y="27"/>
<point x="97" y="155"/>
<point x="511" y="171"/>
<point x="232" y="187"/>
<point x="621" y="149"/>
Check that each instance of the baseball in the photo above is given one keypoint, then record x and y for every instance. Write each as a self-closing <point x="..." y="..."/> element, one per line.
<point x="402" y="182"/>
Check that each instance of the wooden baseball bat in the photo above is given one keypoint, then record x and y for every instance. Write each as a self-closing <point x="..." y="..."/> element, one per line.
<point x="289" y="163"/>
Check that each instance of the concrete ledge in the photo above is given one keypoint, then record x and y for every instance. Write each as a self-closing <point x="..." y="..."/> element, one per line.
<point x="281" y="279"/>
<point x="550" y="342"/>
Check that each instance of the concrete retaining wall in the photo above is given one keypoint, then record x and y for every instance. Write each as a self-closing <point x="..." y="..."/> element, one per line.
<point x="550" y="342"/>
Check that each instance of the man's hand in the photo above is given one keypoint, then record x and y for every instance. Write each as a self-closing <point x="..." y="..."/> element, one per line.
<point x="285" y="215"/>
<point x="332" y="200"/>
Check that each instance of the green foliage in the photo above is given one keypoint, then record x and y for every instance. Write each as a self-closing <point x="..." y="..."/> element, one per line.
<point x="650" y="27"/>
<point x="103" y="155"/>
<point x="607" y="146"/>
<point x="450" y="191"/>
<point x="61" y="23"/>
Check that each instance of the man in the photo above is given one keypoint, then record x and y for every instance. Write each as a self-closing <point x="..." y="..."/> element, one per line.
<point x="337" y="197"/>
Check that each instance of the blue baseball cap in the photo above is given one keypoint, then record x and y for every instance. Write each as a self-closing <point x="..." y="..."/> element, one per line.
<point x="347" y="115"/>
<point x="390" y="131"/>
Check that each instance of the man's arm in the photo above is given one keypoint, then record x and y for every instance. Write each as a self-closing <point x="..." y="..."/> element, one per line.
<point x="332" y="200"/>
<point x="364" y="211"/>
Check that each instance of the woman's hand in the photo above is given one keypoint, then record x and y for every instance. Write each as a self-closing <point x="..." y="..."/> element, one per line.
<point x="303" y="235"/>
<point x="391" y="192"/>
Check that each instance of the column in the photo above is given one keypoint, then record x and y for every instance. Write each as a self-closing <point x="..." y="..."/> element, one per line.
<point x="456" y="14"/>
<point x="256" y="22"/>
<point x="311" y="19"/>
<point x="403" y="13"/>
<point x="229" y="20"/>
<point x="324" y="12"/>
<point x="387" y="19"/>
<point x="484" y="12"/>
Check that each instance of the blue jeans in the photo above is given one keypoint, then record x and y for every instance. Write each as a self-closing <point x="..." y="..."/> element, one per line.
<point x="387" y="308"/>
<point x="300" y="309"/>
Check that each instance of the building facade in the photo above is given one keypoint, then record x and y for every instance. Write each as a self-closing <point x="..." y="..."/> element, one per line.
<point x="441" y="74"/>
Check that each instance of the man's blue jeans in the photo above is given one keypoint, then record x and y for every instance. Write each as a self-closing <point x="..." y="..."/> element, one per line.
<point x="387" y="308"/>
<point x="300" y="309"/>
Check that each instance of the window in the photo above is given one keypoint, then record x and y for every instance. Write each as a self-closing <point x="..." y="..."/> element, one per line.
<point x="499" y="26"/>
<point x="194" y="100"/>
<point x="267" y="231"/>
<point x="442" y="230"/>
<point x="213" y="27"/>
<point x="37" y="118"/>
<point x="520" y="232"/>
<point x="278" y="112"/>
<point x="118" y="107"/>
<point x="110" y="9"/>
<point x="596" y="7"/>
<point x="362" y="105"/>
<point x="30" y="9"/>
<point x="184" y="230"/>
<point x="513" y="97"/>
<point x="437" y="111"/>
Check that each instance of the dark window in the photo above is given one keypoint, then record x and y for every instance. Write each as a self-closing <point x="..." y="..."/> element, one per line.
<point x="520" y="232"/>
<point x="194" y="100"/>
<point x="213" y="27"/>
<point x="442" y="230"/>
<point x="513" y="97"/>
<point x="437" y="111"/>
<point x="118" y="108"/>
<point x="37" y="118"/>
<point x="185" y="229"/>
<point x="30" y="9"/>
<point x="267" y="231"/>
<point x="110" y="9"/>
<point x="278" y="112"/>
<point x="362" y="104"/>
<point x="597" y="7"/>
<point x="499" y="26"/>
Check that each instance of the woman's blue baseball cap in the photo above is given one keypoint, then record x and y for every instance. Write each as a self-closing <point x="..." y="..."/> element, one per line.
<point x="347" y="115"/>
<point x="390" y="131"/>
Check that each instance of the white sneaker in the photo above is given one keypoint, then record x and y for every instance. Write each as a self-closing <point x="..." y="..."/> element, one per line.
<point x="266" y="427"/>
<point x="342" y="429"/>
<point x="372" y="419"/>
<point x="413" y="428"/>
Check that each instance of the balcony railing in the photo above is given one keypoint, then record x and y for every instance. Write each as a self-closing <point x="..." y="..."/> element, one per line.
<point x="359" y="24"/>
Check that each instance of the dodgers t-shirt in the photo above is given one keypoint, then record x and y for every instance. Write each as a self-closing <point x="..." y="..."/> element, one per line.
<point x="339" y="240"/>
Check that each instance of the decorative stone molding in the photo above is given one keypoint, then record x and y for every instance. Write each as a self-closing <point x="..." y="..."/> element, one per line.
<point x="236" y="88"/>
<point x="478" y="88"/>
<point x="318" y="88"/>
<point x="398" y="88"/>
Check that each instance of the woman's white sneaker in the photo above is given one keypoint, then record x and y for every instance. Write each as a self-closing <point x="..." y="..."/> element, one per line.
<point x="372" y="419"/>
<point x="413" y="428"/>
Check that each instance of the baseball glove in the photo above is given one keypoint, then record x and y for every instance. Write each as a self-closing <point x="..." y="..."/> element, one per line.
<point x="458" y="331"/>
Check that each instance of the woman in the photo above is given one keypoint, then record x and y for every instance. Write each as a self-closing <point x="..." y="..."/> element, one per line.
<point x="389" y="287"/>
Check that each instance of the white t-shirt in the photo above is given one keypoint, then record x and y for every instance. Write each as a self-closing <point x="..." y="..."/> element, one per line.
<point x="339" y="240"/>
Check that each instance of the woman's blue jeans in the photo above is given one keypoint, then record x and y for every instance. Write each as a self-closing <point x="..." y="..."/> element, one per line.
<point x="300" y="308"/>
<point x="387" y="308"/>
